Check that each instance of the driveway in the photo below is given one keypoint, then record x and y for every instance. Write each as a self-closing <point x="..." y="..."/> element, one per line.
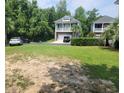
<point x="60" y="42"/>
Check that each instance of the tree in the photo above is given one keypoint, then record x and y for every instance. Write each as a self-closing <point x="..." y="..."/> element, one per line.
<point x="92" y="16"/>
<point x="112" y="33"/>
<point x="81" y="16"/>
<point x="107" y="36"/>
<point x="26" y="20"/>
<point x="77" y="31"/>
<point x="51" y="16"/>
<point x="62" y="9"/>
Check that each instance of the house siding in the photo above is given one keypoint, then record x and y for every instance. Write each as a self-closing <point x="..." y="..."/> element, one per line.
<point x="63" y="27"/>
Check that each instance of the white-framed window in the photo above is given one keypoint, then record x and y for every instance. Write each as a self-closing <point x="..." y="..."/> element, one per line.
<point x="98" y="25"/>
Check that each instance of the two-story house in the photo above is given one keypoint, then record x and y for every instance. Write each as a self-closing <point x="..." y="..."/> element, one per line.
<point x="99" y="26"/>
<point x="63" y="27"/>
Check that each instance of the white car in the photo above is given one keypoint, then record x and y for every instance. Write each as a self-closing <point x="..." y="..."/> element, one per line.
<point x="15" y="41"/>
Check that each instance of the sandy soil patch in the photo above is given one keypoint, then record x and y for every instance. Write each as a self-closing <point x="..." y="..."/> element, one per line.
<point x="50" y="75"/>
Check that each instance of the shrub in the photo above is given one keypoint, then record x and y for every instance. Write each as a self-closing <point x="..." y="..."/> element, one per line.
<point x="91" y="34"/>
<point x="86" y="41"/>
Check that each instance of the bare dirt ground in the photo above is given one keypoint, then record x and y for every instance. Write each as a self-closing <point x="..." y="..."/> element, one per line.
<point x="26" y="74"/>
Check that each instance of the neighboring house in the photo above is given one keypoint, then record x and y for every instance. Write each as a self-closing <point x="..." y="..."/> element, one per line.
<point x="63" y="27"/>
<point x="99" y="26"/>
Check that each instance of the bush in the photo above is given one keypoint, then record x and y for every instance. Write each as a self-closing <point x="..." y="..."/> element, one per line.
<point x="86" y="42"/>
<point x="91" y="34"/>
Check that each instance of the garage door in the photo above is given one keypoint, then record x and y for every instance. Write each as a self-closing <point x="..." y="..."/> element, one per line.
<point x="61" y="36"/>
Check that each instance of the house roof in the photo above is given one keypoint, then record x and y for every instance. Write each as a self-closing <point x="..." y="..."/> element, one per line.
<point x="67" y="19"/>
<point x="105" y="19"/>
<point x="116" y="2"/>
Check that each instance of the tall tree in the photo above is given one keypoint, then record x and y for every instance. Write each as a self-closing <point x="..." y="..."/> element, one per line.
<point x="92" y="16"/>
<point x="81" y="16"/>
<point x="62" y="9"/>
<point x="25" y="19"/>
<point x="52" y="17"/>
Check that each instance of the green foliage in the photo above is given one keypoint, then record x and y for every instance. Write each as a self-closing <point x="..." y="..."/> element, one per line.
<point x="81" y="16"/>
<point x="102" y="62"/>
<point x="91" y="34"/>
<point x="85" y="41"/>
<point x="103" y="72"/>
<point x="112" y="33"/>
<point x="62" y="9"/>
<point x="86" y="18"/>
<point x="92" y="16"/>
<point x="25" y="19"/>
<point x="77" y="31"/>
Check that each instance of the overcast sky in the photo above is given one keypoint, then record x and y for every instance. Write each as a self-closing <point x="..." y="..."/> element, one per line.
<point x="105" y="7"/>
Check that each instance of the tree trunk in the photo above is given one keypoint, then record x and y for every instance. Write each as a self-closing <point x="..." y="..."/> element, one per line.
<point x="107" y="42"/>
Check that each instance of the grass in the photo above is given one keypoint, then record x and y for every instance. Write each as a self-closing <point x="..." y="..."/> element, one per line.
<point x="87" y="54"/>
<point x="51" y="40"/>
<point x="102" y="62"/>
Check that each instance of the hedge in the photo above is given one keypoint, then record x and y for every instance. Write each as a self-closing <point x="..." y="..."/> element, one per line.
<point x="86" y="42"/>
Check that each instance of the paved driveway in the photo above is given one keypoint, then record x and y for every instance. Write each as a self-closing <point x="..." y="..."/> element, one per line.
<point x="60" y="42"/>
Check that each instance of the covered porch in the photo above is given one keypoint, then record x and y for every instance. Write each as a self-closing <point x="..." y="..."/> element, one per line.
<point x="99" y="27"/>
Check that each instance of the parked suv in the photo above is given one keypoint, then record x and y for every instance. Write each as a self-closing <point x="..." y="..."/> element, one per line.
<point x="15" y="41"/>
<point x="66" y="39"/>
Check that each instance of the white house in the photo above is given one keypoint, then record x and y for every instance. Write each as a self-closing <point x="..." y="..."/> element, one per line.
<point x="99" y="26"/>
<point x="63" y="27"/>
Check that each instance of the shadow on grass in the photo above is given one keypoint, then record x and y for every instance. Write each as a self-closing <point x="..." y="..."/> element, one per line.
<point x="103" y="72"/>
<point x="65" y="79"/>
<point x="74" y="79"/>
<point x="108" y="48"/>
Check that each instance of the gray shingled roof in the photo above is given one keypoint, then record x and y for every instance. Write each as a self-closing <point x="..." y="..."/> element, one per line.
<point x="72" y="20"/>
<point x="116" y="2"/>
<point x="105" y="19"/>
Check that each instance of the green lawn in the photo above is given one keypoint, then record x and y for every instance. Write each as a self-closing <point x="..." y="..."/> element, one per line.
<point x="86" y="54"/>
<point x="102" y="62"/>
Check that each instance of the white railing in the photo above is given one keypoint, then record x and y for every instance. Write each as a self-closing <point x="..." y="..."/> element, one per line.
<point x="98" y="30"/>
<point x="63" y="30"/>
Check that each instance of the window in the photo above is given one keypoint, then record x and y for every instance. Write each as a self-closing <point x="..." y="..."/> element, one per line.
<point x="66" y="18"/>
<point x="98" y="25"/>
<point x="59" y="26"/>
<point x="74" y="24"/>
<point x="66" y="26"/>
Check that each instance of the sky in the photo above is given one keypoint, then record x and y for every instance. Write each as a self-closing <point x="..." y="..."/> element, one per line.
<point x="105" y="7"/>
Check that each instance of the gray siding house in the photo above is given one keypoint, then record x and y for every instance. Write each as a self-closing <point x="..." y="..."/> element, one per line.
<point x="99" y="26"/>
<point x="63" y="27"/>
